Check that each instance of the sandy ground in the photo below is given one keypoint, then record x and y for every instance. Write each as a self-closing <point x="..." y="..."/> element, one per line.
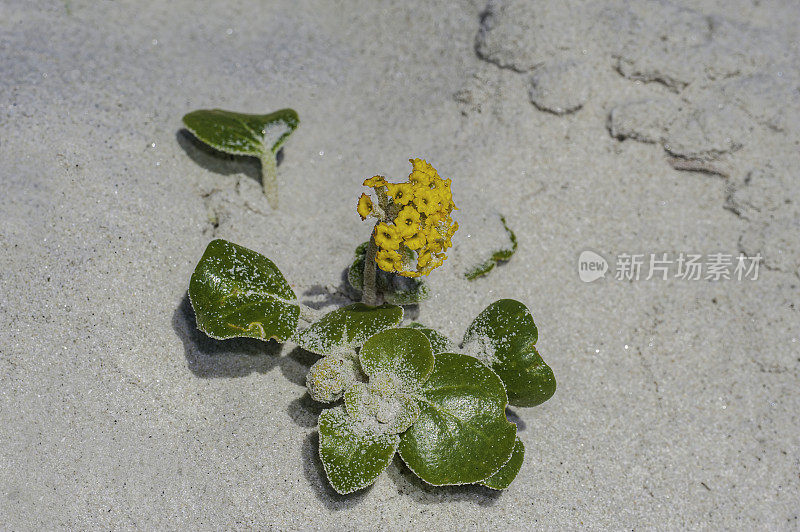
<point x="678" y="403"/>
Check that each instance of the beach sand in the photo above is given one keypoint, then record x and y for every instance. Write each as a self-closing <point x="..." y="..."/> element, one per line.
<point x="638" y="127"/>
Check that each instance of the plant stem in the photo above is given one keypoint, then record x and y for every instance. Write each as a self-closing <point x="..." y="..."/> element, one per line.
<point x="269" y="178"/>
<point x="369" y="294"/>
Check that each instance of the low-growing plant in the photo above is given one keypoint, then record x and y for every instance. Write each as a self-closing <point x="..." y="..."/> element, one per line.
<point x="403" y="389"/>
<point x="245" y="134"/>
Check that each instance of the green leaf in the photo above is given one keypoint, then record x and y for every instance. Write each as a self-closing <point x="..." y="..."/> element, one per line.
<point x="242" y="134"/>
<point x="506" y="475"/>
<point x="396" y="289"/>
<point x="503" y="337"/>
<point x="352" y="456"/>
<point x="348" y="327"/>
<point x="501" y="255"/>
<point x="439" y="342"/>
<point x="402" y="353"/>
<point x="237" y="292"/>
<point x="462" y="435"/>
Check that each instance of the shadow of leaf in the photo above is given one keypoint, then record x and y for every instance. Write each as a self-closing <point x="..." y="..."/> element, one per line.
<point x="315" y="474"/>
<point x="209" y="358"/>
<point x="296" y="364"/>
<point x="514" y="418"/>
<point x="217" y="161"/>
<point x="305" y="412"/>
<point x="409" y="484"/>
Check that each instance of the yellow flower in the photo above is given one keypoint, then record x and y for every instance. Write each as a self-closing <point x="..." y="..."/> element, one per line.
<point x="427" y="201"/>
<point x="418" y="177"/>
<point x="388" y="261"/>
<point x="423" y="166"/>
<point x="422" y="229"/>
<point x="416" y="241"/>
<point x="401" y="193"/>
<point x="452" y="231"/>
<point x="375" y="181"/>
<point x="423" y="259"/>
<point x="407" y="222"/>
<point x="364" y="207"/>
<point x="387" y="237"/>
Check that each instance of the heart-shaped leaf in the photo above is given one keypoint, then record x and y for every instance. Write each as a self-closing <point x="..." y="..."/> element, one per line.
<point x="348" y="327"/>
<point x="396" y="289"/>
<point x="462" y="435"/>
<point x="353" y="457"/>
<point x="401" y="353"/>
<point x="439" y="342"/>
<point x="237" y="292"/>
<point x="242" y="134"/>
<point x="503" y="337"/>
<point x="506" y="475"/>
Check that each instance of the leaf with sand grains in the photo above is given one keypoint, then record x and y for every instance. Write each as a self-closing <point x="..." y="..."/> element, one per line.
<point x="236" y="292"/>
<point x="245" y="134"/>
<point x="503" y="337"/>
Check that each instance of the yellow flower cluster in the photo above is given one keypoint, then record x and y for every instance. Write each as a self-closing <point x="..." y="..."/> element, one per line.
<point x="415" y="226"/>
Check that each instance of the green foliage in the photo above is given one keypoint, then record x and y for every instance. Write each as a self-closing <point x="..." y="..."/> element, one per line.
<point x="242" y="134"/>
<point x="396" y="289"/>
<point x="439" y="342"/>
<point x="237" y="292"/>
<point x="404" y="389"/>
<point x="504" y="336"/>
<point x="462" y="434"/>
<point x="501" y="255"/>
<point x="506" y="475"/>
<point x="349" y="327"/>
<point x="353" y="456"/>
<point x="404" y="354"/>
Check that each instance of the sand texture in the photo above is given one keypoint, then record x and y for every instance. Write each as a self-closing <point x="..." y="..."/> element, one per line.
<point x="632" y="127"/>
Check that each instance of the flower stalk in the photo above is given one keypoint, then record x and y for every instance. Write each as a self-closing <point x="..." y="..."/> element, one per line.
<point x="369" y="294"/>
<point x="269" y="178"/>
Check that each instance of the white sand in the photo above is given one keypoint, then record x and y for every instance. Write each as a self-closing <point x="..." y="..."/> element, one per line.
<point x="678" y="401"/>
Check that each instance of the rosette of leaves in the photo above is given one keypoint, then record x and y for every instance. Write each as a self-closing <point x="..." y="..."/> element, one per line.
<point x="396" y="289"/>
<point x="502" y="254"/>
<point x="445" y="415"/>
<point x="336" y="336"/>
<point x="246" y="134"/>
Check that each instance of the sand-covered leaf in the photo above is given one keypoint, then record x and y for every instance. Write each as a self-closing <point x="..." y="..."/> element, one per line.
<point x="352" y="456"/>
<point x="439" y="342"/>
<point x="385" y="409"/>
<point x="331" y="375"/>
<point x="462" y="435"/>
<point x="504" y="336"/>
<point x="238" y="292"/>
<point x="396" y="289"/>
<point x="506" y="475"/>
<point x="401" y="353"/>
<point x="348" y="327"/>
<point x="240" y="133"/>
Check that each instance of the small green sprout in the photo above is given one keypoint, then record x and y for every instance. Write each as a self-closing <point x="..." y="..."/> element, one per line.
<point x="394" y="389"/>
<point x="244" y="134"/>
